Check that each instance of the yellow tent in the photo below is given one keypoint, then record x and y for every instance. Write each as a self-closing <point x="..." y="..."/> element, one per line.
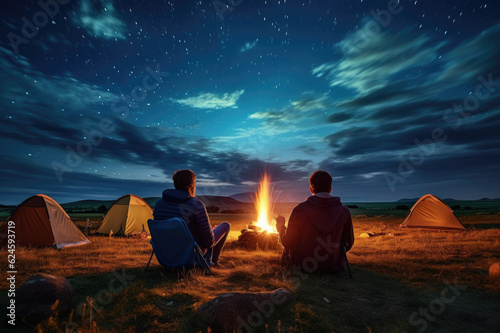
<point x="128" y="215"/>
<point x="431" y="212"/>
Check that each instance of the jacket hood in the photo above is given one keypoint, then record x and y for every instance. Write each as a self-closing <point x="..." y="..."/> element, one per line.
<point x="325" y="213"/>
<point x="173" y="195"/>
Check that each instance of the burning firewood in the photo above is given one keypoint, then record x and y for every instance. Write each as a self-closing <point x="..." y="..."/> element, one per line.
<point x="253" y="227"/>
<point x="261" y="234"/>
<point x="254" y="238"/>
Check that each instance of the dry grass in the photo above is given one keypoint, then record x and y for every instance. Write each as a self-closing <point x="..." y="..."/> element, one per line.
<point x="394" y="276"/>
<point x="422" y="257"/>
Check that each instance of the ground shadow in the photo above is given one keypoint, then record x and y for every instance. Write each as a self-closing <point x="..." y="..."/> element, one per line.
<point x="371" y="302"/>
<point x="482" y="226"/>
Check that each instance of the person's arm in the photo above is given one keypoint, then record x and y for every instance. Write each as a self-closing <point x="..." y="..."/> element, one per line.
<point x="290" y="237"/>
<point x="348" y="231"/>
<point x="204" y="230"/>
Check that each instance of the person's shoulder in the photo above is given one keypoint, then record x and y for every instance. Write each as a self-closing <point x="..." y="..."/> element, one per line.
<point x="160" y="202"/>
<point x="305" y="203"/>
<point x="300" y="207"/>
<point x="196" y="202"/>
<point x="346" y="211"/>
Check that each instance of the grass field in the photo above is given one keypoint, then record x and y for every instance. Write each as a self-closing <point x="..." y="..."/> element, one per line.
<point x="398" y="281"/>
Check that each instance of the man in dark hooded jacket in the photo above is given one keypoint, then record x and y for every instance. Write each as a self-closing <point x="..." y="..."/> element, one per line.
<point x="181" y="202"/>
<point x="318" y="229"/>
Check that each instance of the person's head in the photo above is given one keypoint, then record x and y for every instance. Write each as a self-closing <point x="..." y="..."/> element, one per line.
<point x="185" y="180"/>
<point x="320" y="181"/>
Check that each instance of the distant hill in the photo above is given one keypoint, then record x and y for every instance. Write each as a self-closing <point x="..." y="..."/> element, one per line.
<point x="226" y="203"/>
<point x="86" y="204"/>
<point x="243" y="197"/>
<point x="151" y="201"/>
<point x="280" y="197"/>
<point x="489" y="200"/>
<point x="408" y="200"/>
<point x="231" y="204"/>
<point x="223" y="203"/>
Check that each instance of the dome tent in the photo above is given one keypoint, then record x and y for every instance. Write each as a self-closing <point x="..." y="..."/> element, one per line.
<point x="128" y="215"/>
<point x="41" y="221"/>
<point x="431" y="212"/>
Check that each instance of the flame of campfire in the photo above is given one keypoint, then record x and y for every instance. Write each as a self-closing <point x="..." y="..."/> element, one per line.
<point x="263" y="205"/>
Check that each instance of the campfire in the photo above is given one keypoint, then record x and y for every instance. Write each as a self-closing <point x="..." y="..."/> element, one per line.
<point x="261" y="234"/>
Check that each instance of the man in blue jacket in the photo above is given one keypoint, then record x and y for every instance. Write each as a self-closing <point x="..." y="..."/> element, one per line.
<point x="181" y="202"/>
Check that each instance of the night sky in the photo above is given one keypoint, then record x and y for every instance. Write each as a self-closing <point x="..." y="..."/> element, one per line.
<point x="106" y="98"/>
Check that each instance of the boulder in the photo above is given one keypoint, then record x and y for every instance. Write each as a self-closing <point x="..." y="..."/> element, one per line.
<point x="495" y="270"/>
<point x="42" y="296"/>
<point x="236" y="312"/>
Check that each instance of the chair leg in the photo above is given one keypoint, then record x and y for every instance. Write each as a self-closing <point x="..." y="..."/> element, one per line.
<point x="151" y="257"/>
<point x="204" y="260"/>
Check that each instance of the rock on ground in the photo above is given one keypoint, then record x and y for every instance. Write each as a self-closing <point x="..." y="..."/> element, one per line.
<point x="495" y="270"/>
<point x="241" y="312"/>
<point x="42" y="296"/>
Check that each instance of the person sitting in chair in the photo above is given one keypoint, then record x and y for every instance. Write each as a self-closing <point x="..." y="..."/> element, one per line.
<point x="181" y="202"/>
<point x="319" y="229"/>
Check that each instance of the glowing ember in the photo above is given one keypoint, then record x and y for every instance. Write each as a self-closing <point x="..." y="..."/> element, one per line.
<point x="263" y="206"/>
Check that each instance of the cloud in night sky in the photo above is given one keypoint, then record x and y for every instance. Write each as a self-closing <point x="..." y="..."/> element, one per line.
<point x="212" y="101"/>
<point x="391" y="114"/>
<point x="151" y="148"/>
<point x="298" y="115"/>
<point x="248" y="46"/>
<point x="304" y="95"/>
<point x="30" y="90"/>
<point x="375" y="63"/>
<point x="477" y="56"/>
<point x="100" y="19"/>
<point x="460" y="65"/>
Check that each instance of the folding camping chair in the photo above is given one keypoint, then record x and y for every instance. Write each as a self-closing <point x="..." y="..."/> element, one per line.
<point x="175" y="247"/>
